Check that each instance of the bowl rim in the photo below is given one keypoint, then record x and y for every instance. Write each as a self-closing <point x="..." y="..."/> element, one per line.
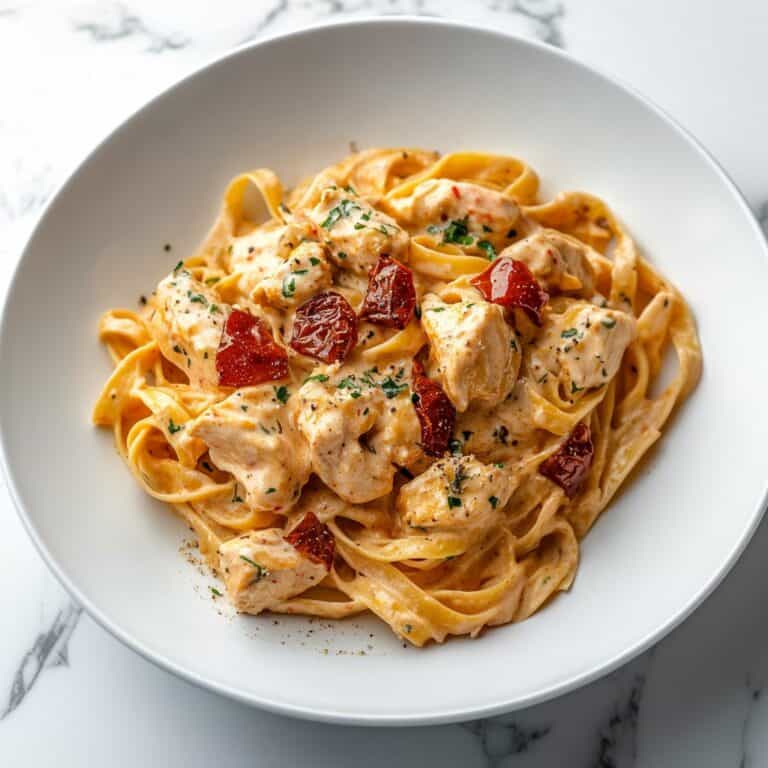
<point x="327" y="715"/>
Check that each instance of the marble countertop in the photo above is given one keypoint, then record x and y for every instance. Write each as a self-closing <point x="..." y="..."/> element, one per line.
<point x="72" y="695"/>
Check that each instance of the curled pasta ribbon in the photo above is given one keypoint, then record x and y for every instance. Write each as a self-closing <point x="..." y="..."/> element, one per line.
<point x="402" y="345"/>
<point x="123" y="332"/>
<point x="508" y="175"/>
<point x="442" y="261"/>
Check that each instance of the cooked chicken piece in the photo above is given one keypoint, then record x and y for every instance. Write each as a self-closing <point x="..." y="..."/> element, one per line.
<point x="558" y="262"/>
<point x="356" y="233"/>
<point x="359" y="427"/>
<point x="500" y="430"/>
<point x="258" y="249"/>
<point x="487" y="213"/>
<point x="473" y="350"/>
<point x="252" y="435"/>
<point x="261" y="570"/>
<point x="305" y="273"/>
<point x="187" y="322"/>
<point x="455" y="492"/>
<point x="582" y="347"/>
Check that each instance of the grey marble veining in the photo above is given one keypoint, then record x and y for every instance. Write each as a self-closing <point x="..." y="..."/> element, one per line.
<point x="49" y="649"/>
<point x="123" y="24"/>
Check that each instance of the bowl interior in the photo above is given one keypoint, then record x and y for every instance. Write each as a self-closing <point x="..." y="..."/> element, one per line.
<point x="294" y="104"/>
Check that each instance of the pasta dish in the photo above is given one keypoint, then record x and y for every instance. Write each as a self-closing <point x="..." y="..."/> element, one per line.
<point x="404" y="386"/>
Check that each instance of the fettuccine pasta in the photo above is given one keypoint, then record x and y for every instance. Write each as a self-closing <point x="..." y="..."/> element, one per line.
<point x="405" y="386"/>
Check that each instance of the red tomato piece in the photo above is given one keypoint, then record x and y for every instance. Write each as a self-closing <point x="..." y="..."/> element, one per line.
<point x="314" y="540"/>
<point x="325" y="328"/>
<point x="391" y="297"/>
<point x="569" y="466"/>
<point x="247" y="353"/>
<point x="436" y="413"/>
<point x="510" y="283"/>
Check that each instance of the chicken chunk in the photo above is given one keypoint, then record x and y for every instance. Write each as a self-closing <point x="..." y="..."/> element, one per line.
<point x="356" y="233"/>
<point x="358" y="428"/>
<point x="558" y="262"/>
<point x="257" y="250"/>
<point x="187" y="322"/>
<point x="305" y="273"/>
<point x="261" y="570"/>
<point x="486" y="213"/>
<point x="473" y="350"/>
<point x="582" y="347"/>
<point x="251" y="435"/>
<point x="455" y="492"/>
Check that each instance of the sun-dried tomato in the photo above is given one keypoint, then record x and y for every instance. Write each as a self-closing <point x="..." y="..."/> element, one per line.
<point x="391" y="297"/>
<point x="247" y="353"/>
<point x="436" y="413"/>
<point x="510" y="283"/>
<point x="314" y="540"/>
<point x="325" y="327"/>
<point x="569" y="466"/>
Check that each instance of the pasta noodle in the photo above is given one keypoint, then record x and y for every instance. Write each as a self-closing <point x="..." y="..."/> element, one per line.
<point x="405" y="386"/>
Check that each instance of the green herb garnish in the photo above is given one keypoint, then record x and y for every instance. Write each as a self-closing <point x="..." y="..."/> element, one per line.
<point x="487" y="246"/>
<point x="343" y="209"/>
<point x="458" y="232"/>
<point x="261" y="571"/>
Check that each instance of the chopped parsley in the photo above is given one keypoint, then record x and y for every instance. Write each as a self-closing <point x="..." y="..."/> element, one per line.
<point x="261" y="571"/>
<point x="436" y="309"/>
<point x="214" y="308"/>
<point x="609" y="323"/>
<point x="197" y="298"/>
<point x="282" y="394"/>
<point x="317" y="377"/>
<point x="458" y="232"/>
<point x="270" y="490"/>
<point x="433" y="229"/>
<point x="174" y="428"/>
<point x="453" y="501"/>
<point x="392" y="388"/>
<point x="342" y="210"/>
<point x="487" y="246"/>
<point x="215" y="592"/>
<point x="486" y="228"/>
<point x="212" y="280"/>
<point x="314" y="261"/>
<point x="493" y="501"/>
<point x="177" y="349"/>
<point x="349" y="188"/>
<point x="178" y="267"/>
<point x="289" y="286"/>
<point x="499" y="465"/>
<point x="568" y="333"/>
<point x="454" y="445"/>
<point x="575" y="389"/>
<point x="341" y="255"/>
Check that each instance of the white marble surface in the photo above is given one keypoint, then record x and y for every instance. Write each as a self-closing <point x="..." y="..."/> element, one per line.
<point x="71" y="695"/>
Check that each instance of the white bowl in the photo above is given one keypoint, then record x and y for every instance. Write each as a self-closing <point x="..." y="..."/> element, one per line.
<point x="294" y="104"/>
